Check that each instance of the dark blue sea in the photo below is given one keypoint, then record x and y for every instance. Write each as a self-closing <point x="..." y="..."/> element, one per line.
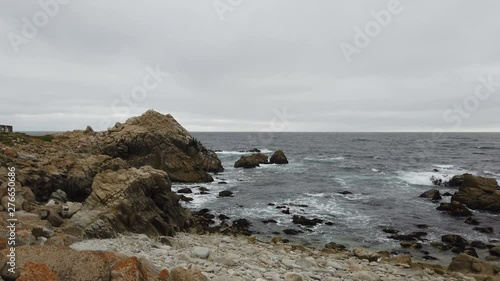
<point x="386" y="173"/>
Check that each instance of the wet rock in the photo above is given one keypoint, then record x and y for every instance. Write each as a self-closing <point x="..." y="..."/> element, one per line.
<point x="447" y="194"/>
<point x="456" y="181"/>
<point x="471" y="221"/>
<point x="304" y="221"/>
<point x="390" y="230"/>
<point x="454" y="240"/>
<point x="226" y="193"/>
<point x="409" y="237"/>
<point x="223" y="217"/>
<point x="429" y="258"/>
<point x="254" y="150"/>
<point x="185" y="190"/>
<point x="422" y="226"/>
<point x="286" y="212"/>
<point x="269" y="221"/>
<point x="432" y="194"/>
<point x="436" y="181"/>
<point x="411" y="244"/>
<point x="441" y="246"/>
<point x="203" y="189"/>
<point x="345" y="192"/>
<point x="184" y="198"/>
<point x="484" y="229"/>
<point x="455" y="209"/>
<point x="279" y="158"/>
<point x="292" y="232"/>
<point x="222" y="182"/>
<point x="478" y="245"/>
<point x="251" y="161"/>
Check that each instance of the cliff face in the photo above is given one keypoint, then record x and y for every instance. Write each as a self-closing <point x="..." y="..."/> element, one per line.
<point x="100" y="184"/>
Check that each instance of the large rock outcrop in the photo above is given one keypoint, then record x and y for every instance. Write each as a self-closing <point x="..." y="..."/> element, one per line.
<point x="69" y="161"/>
<point x="479" y="193"/>
<point x="161" y="142"/>
<point x="131" y="200"/>
<point x="278" y="158"/>
<point x="251" y="161"/>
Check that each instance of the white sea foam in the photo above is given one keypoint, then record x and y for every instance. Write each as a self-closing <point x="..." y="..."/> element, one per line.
<point x="425" y="178"/>
<point x="443" y="166"/>
<point x="329" y="159"/>
<point x="230" y="152"/>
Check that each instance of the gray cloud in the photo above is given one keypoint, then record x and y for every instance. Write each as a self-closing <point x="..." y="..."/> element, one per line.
<point x="265" y="56"/>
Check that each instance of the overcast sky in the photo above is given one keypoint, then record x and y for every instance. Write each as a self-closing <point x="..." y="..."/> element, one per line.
<point x="252" y="65"/>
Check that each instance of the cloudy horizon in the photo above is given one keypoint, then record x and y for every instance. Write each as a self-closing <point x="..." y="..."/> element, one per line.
<point x="239" y="65"/>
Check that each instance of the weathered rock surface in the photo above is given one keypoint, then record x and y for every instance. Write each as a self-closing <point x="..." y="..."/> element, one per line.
<point x="278" y="158"/>
<point x="455" y="208"/>
<point x="135" y="200"/>
<point x="479" y="193"/>
<point x="251" y="161"/>
<point x="63" y="263"/>
<point x="467" y="264"/>
<point x="69" y="161"/>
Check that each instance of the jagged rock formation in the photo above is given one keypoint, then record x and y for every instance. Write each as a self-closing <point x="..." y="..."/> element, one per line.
<point x="251" y="161"/>
<point x="134" y="200"/>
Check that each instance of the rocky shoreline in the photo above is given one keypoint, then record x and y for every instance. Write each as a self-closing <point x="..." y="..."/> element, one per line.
<point x="78" y="186"/>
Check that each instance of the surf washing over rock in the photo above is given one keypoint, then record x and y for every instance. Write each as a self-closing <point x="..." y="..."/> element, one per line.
<point x="102" y="206"/>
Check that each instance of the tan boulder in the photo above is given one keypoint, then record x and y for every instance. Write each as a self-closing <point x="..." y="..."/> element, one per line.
<point x="467" y="264"/>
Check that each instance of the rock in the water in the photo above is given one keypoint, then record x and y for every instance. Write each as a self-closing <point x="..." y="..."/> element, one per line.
<point x="456" y="181"/>
<point x="390" y="230"/>
<point x="454" y="240"/>
<point x="432" y="194"/>
<point x="479" y="193"/>
<point x="484" y="229"/>
<point x="291" y="231"/>
<point x="468" y="264"/>
<point x="305" y="221"/>
<point x="134" y="200"/>
<point x="226" y="193"/>
<point x="455" y="208"/>
<point x="471" y="221"/>
<point x="184" y="190"/>
<point x="278" y="158"/>
<point x="251" y="161"/>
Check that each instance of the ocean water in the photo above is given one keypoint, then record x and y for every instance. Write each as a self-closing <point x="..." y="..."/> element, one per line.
<point x="386" y="173"/>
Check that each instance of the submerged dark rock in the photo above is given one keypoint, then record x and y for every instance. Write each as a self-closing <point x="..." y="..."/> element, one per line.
<point x="305" y="221"/>
<point x="251" y="161"/>
<point x="432" y="194"/>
